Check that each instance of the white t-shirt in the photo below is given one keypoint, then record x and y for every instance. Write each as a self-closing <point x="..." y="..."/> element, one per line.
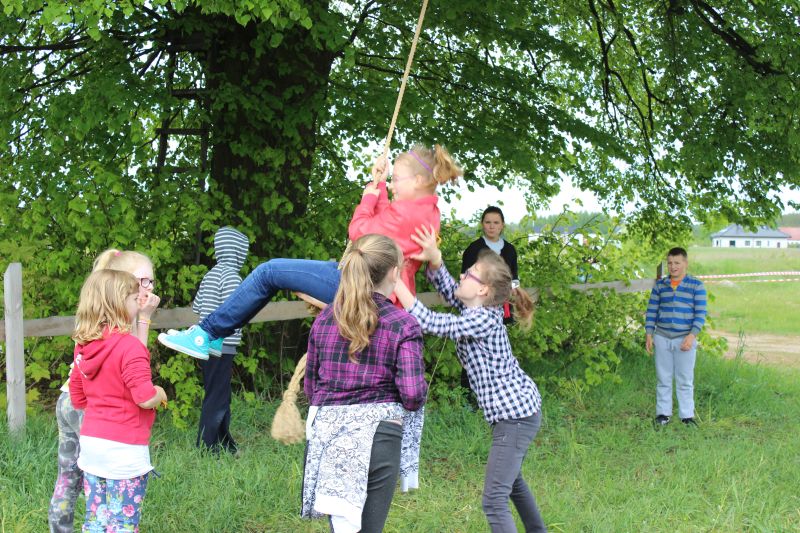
<point x="110" y="459"/>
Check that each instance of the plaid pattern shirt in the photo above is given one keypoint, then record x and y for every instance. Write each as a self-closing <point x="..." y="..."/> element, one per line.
<point x="504" y="391"/>
<point x="390" y="369"/>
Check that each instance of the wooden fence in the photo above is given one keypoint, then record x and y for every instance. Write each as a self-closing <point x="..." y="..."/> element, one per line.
<point x="14" y="329"/>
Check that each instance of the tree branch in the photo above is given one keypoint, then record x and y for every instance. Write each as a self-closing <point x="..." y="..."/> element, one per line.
<point x="734" y="40"/>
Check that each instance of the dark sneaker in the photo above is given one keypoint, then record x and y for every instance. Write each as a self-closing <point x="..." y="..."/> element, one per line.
<point x="661" y="420"/>
<point x="689" y="421"/>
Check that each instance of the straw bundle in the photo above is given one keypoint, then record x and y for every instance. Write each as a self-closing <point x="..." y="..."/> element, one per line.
<point x="287" y="426"/>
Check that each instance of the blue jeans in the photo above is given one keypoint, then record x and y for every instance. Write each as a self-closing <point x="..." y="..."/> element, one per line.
<point x="319" y="279"/>
<point x="510" y="442"/>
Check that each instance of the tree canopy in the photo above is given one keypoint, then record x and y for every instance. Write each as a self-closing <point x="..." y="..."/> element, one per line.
<point x="147" y="123"/>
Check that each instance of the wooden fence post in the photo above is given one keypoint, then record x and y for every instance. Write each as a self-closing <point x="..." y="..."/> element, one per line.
<point x="15" y="348"/>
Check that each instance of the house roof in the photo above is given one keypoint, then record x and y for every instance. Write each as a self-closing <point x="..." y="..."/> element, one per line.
<point x="735" y="230"/>
<point x="793" y="233"/>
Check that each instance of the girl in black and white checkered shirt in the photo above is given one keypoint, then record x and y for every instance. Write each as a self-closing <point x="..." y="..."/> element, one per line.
<point x="508" y="397"/>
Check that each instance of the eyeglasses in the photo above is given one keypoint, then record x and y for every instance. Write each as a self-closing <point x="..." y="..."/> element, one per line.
<point x="147" y="283"/>
<point x="469" y="274"/>
<point x="398" y="179"/>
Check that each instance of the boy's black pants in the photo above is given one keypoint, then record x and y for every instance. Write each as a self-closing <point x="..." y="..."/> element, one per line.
<point x="215" y="414"/>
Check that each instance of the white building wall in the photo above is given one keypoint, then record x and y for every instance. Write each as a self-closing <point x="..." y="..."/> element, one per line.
<point x="749" y="242"/>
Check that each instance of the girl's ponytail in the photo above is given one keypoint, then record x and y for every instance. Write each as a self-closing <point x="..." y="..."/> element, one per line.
<point x="445" y="169"/>
<point x="365" y="264"/>
<point x="524" y="307"/>
<point x="353" y="308"/>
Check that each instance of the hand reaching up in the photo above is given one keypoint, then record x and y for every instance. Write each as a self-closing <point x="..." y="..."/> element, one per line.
<point x="426" y="238"/>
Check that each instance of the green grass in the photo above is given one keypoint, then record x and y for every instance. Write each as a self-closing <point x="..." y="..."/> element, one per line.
<point x="738" y="305"/>
<point x="707" y="260"/>
<point x="597" y="465"/>
<point x="756" y="307"/>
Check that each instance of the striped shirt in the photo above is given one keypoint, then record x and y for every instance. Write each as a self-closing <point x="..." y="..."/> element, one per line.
<point x="676" y="312"/>
<point x="389" y="369"/>
<point x="230" y="249"/>
<point x="504" y="391"/>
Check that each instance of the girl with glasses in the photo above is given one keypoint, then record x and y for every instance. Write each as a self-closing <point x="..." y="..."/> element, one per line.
<point x="508" y="397"/>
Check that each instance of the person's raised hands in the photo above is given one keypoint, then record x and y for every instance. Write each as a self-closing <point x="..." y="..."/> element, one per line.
<point x="426" y="239"/>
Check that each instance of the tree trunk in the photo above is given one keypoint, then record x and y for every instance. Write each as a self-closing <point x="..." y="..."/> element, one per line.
<point x="264" y="105"/>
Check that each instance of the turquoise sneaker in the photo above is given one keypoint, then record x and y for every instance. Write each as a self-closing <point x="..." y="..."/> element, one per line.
<point x="215" y="347"/>
<point x="193" y="342"/>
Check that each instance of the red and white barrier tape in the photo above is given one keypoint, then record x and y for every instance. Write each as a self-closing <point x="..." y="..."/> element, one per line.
<point x="754" y="280"/>
<point x="749" y="275"/>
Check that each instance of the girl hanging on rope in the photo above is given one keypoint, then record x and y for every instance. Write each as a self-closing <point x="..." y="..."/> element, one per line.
<point x="508" y="397"/>
<point x="364" y="377"/>
<point x="415" y="176"/>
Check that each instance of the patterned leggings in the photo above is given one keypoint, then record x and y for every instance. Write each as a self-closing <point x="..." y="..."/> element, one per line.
<point x="68" y="483"/>
<point x="113" y="505"/>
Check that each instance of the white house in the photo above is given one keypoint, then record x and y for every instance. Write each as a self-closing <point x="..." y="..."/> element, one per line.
<point x="735" y="236"/>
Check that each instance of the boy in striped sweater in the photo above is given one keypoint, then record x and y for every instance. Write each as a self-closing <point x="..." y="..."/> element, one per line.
<point x="230" y="250"/>
<point x="675" y="315"/>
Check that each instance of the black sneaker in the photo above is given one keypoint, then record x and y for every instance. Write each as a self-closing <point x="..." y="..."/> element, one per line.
<point x="661" y="420"/>
<point x="689" y="421"/>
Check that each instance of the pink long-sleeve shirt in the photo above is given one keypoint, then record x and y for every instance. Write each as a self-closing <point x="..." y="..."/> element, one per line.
<point x="397" y="220"/>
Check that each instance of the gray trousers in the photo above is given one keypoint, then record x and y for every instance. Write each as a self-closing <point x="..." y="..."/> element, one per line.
<point x="510" y="442"/>
<point x="671" y="363"/>
<point x="69" y="482"/>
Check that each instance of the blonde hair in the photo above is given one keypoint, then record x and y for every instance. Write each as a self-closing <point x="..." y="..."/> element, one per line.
<point x="126" y="260"/>
<point x="497" y="276"/>
<point x="102" y="304"/>
<point x="439" y="166"/>
<point x="365" y="264"/>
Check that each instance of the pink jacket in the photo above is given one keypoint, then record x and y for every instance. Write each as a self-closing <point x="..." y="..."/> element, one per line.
<point x="111" y="376"/>
<point x="397" y="220"/>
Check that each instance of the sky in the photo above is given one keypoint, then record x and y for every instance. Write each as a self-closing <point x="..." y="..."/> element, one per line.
<point x="513" y="203"/>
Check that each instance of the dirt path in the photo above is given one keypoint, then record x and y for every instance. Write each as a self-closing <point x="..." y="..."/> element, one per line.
<point x="780" y="350"/>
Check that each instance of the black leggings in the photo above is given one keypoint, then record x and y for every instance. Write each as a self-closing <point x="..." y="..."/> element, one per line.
<point x="384" y="467"/>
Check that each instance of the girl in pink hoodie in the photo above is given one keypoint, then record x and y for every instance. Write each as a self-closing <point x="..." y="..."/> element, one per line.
<point x="415" y="176"/>
<point x="69" y="481"/>
<point x="111" y="382"/>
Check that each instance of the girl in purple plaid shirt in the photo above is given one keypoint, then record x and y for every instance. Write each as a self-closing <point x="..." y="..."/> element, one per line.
<point x="508" y="397"/>
<point x="364" y="377"/>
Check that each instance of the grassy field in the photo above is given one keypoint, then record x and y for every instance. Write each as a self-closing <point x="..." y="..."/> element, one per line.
<point x="708" y="260"/>
<point x="756" y="307"/>
<point x="598" y="465"/>
<point x="737" y="305"/>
